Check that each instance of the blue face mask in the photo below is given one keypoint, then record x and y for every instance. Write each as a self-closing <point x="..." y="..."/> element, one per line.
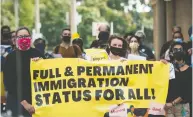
<point x="191" y="37"/>
<point x="178" y="40"/>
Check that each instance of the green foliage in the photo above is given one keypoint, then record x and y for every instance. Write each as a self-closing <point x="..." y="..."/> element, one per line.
<point x="104" y="11"/>
<point x="7" y="17"/>
<point x="52" y="15"/>
<point x="26" y="13"/>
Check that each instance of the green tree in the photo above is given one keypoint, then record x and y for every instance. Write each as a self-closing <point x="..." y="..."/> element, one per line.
<point x="26" y="13"/>
<point x="52" y="14"/>
<point x="7" y="16"/>
<point x="102" y="11"/>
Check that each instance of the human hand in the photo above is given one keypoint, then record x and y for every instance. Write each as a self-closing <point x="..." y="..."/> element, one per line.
<point x="122" y="60"/>
<point x="36" y="59"/>
<point x="190" y="51"/>
<point x="28" y="107"/>
<point x="168" y="105"/>
<point x="164" y="61"/>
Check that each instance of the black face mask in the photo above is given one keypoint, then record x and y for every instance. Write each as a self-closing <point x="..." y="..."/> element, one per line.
<point x="66" y="39"/>
<point x="41" y="47"/>
<point x="179" y="56"/>
<point x="116" y="51"/>
<point x="103" y="36"/>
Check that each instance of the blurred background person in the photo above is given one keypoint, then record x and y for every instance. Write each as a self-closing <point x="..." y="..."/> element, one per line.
<point x="13" y="43"/>
<point x="177" y="37"/>
<point x="116" y="48"/>
<point x="17" y="74"/>
<point x="66" y="49"/>
<point x="133" y="47"/>
<point x="103" y="39"/>
<point x="103" y="36"/>
<point x="166" y="46"/>
<point x="5" y="35"/>
<point x="143" y="48"/>
<point x="128" y="35"/>
<point x="94" y="44"/>
<point x="40" y="45"/>
<point x="79" y="43"/>
<point x="8" y="50"/>
<point x="180" y="88"/>
<point x="176" y="29"/>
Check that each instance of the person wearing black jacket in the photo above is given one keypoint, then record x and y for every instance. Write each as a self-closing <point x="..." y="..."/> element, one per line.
<point x="166" y="46"/>
<point x="180" y="89"/>
<point x="16" y="71"/>
<point x="143" y="48"/>
<point x="103" y="36"/>
<point x="5" y="35"/>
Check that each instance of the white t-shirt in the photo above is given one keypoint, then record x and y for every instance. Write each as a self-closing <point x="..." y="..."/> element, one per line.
<point x="135" y="57"/>
<point x="172" y="71"/>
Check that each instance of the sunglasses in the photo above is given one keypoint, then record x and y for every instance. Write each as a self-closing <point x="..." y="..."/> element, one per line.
<point x="177" y="50"/>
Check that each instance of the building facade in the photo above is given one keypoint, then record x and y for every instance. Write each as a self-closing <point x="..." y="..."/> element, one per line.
<point x="169" y="13"/>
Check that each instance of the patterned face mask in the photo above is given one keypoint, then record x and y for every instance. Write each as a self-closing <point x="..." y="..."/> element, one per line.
<point x="134" y="46"/>
<point x="23" y="43"/>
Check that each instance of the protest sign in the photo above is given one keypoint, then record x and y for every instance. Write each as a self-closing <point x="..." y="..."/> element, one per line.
<point x="96" y="54"/>
<point x="135" y="57"/>
<point x="2" y="89"/>
<point x="76" y="87"/>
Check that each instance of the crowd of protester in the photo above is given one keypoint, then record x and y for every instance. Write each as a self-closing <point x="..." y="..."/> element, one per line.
<point x="15" y="62"/>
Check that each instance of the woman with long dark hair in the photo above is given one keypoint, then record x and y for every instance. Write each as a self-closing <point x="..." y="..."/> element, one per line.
<point x="133" y="47"/>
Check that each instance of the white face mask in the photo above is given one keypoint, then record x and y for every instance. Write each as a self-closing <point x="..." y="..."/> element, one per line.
<point x="134" y="46"/>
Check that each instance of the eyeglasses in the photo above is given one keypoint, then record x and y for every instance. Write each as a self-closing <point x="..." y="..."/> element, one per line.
<point x="22" y="36"/>
<point x="178" y="50"/>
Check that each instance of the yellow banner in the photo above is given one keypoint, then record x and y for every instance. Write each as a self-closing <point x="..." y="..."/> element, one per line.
<point x="2" y="85"/>
<point x="76" y="87"/>
<point x="96" y="54"/>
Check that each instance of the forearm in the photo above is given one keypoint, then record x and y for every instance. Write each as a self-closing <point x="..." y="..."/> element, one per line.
<point x="24" y="102"/>
<point x="177" y="101"/>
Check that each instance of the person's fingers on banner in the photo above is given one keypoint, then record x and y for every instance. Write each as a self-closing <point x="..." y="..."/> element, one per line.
<point x="28" y="107"/>
<point x="190" y="51"/>
<point x="168" y="105"/>
<point x="164" y="61"/>
<point x="36" y="59"/>
<point x="123" y="60"/>
<point x="31" y="110"/>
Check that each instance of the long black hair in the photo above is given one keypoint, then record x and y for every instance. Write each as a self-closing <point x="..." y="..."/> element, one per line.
<point x="138" y="40"/>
